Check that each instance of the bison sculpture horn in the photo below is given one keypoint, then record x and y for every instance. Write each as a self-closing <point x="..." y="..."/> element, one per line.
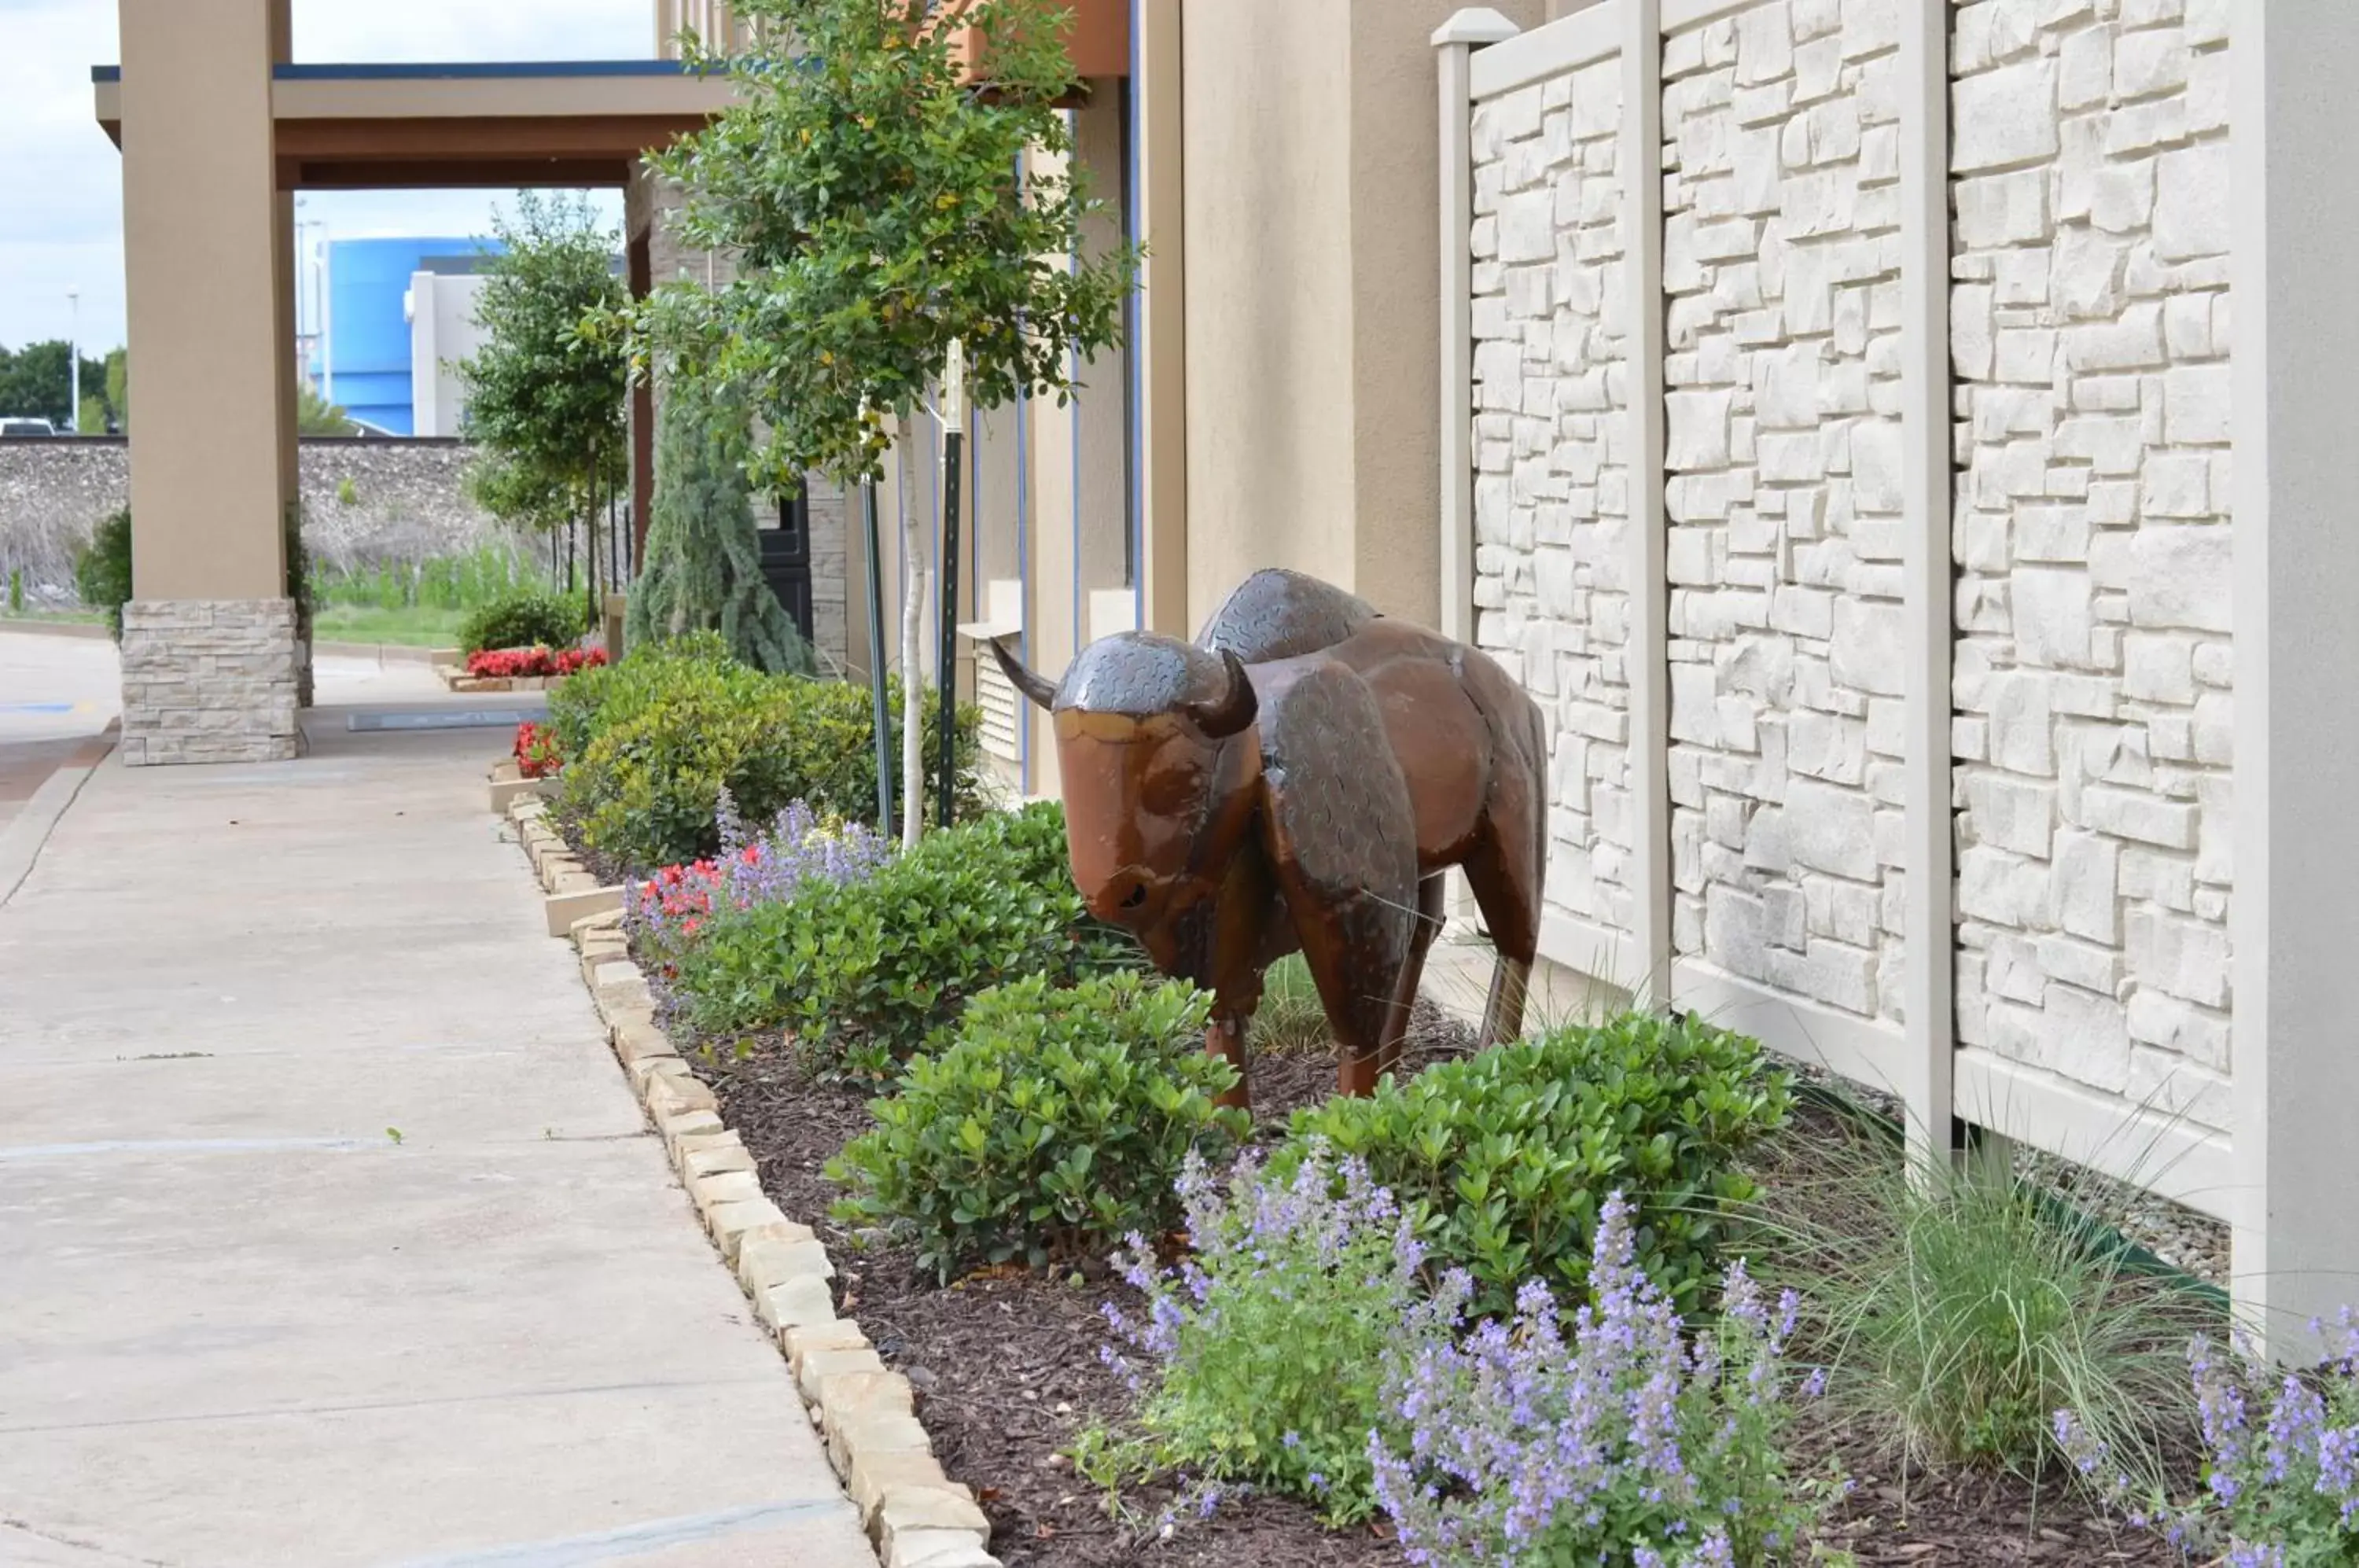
<point x="1299" y="778"/>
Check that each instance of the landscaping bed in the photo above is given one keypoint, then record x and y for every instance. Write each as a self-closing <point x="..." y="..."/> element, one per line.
<point x="1007" y="1362"/>
<point x="1143" y="1328"/>
<point x="1007" y="1365"/>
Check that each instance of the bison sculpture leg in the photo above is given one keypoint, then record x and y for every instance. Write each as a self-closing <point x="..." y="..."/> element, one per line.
<point x="1507" y="890"/>
<point x="1340" y="834"/>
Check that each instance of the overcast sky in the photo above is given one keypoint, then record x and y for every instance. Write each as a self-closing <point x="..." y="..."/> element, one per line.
<point x="60" y="178"/>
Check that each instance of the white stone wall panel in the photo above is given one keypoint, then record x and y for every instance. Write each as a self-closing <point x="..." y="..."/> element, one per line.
<point x="1788" y="630"/>
<point x="1551" y="492"/>
<point x="2089" y="342"/>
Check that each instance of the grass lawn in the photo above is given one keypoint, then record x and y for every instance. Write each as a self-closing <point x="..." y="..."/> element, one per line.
<point x="81" y="617"/>
<point x="415" y="627"/>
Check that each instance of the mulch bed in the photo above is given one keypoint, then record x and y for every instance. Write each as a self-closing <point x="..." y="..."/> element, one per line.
<point x="1007" y="1374"/>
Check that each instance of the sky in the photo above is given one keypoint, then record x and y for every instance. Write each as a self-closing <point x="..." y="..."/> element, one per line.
<point x="60" y="178"/>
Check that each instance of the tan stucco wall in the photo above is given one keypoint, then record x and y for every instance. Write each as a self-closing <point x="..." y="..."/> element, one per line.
<point x="1312" y="275"/>
<point x="1269" y="309"/>
<point x="207" y="262"/>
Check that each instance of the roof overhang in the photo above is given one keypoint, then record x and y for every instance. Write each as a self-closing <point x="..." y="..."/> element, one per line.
<point x="538" y="122"/>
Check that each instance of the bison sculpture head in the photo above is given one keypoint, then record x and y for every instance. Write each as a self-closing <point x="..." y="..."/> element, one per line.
<point x="1143" y="724"/>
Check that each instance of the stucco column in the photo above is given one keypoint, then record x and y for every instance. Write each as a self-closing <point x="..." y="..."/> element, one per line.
<point x="210" y="647"/>
<point x="2293" y="923"/>
<point x="1159" y="333"/>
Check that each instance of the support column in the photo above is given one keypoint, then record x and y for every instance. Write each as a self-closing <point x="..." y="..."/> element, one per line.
<point x="1159" y="341"/>
<point x="1926" y="1078"/>
<point x="1638" y="163"/>
<point x="2293" y="924"/>
<point x="1454" y="44"/>
<point x="210" y="647"/>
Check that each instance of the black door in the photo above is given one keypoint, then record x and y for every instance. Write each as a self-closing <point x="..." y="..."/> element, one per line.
<point x="785" y="558"/>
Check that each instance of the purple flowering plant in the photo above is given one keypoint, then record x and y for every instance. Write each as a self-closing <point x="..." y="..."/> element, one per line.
<point x="1619" y="1437"/>
<point x="799" y="850"/>
<point x="2281" y="1471"/>
<point x="1262" y="1359"/>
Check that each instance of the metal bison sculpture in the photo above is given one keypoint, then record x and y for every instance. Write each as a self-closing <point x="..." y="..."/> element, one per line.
<point x="1299" y="776"/>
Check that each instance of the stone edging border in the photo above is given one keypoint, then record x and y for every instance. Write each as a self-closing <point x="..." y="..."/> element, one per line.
<point x="916" y="1516"/>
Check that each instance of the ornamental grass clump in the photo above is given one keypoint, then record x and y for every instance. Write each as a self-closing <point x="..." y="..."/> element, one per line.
<point x="1630" y="1440"/>
<point x="1267" y="1354"/>
<point x="1958" y="1312"/>
<point x="2281" y="1471"/>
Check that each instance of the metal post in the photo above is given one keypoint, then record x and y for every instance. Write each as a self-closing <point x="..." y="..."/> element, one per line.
<point x="876" y="661"/>
<point x="73" y="361"/>
<point x="946" y="662"/>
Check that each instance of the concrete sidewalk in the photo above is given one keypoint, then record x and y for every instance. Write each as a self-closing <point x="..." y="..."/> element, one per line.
<point x="329" y="1232"/>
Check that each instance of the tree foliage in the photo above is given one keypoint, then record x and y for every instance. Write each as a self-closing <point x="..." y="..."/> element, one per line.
<point x="315" y="416"/>
<point x="873" y="203"/>
<point x="544" y="402"/>
<point x="703" y="568"/>
<point x="37" y="381"/>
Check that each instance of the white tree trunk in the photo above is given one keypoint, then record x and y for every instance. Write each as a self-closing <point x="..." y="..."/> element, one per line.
<point x="913" y="636"/>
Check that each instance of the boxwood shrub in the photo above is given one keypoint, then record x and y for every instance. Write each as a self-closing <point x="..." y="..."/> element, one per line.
<point x="867" y="972"/>
<point x="1506" y="1158"/>
<point x="1054" y="1126"/>
<point x="652" y="741"/>
<point x="526" y="620"/>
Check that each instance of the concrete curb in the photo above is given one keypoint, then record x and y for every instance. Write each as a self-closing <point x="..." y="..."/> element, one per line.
<point x="383" y="652"/>
<point x="21" y="840"/>
<point x="55" y="628"/>
<point x="915" y="1514"/>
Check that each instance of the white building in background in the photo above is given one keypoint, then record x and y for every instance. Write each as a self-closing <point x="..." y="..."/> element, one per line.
<point x="443" y="330"/>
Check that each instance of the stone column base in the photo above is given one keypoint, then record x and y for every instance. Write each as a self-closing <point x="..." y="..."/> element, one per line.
<point x="209" y="680"/>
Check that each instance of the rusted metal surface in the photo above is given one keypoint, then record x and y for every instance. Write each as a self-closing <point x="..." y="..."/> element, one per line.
<point x="1297" y="778"/>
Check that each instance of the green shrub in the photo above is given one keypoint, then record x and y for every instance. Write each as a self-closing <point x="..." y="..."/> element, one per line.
<point x="598" y="699"/>
<point x="866" y="974"/>
<point x="653" y="739"/>
<point x="1055" y="1126"/>
<point x="524" y="620"/>
<point x="1958" y="1312"/>
<point x="102" y="570"/>
<point x="1264" y="1358"/>
<point x="1503" y="1159"/>
<point x="16" y="590"/>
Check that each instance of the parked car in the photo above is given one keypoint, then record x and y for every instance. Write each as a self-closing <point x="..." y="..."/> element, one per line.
<point x="17" y="425"/>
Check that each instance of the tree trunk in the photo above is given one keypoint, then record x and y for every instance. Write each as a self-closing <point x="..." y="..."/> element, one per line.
<point x="913" y="634"/>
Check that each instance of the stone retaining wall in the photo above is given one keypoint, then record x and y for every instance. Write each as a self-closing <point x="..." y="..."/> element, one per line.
<point x="365" y="500"/>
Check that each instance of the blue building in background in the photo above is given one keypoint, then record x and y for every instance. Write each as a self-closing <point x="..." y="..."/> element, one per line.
<point x="364" y="359"/>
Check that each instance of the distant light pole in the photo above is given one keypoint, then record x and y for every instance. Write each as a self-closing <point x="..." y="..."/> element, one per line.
<point x="73" y="357"/>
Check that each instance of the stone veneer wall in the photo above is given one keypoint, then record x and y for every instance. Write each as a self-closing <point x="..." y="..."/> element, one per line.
<point x="2090" y="330"/>
<point x="1551" y="492"/>
<point x="209" y="680"/>
<point x="1782" y="269"/>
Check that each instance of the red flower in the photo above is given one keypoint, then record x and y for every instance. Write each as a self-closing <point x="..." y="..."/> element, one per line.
<point x="536" y="751"/>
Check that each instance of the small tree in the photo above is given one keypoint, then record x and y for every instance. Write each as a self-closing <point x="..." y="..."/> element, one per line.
<point x="315" y="416"/>
<point x="703" y="568"/>
<point x="544" y="398"/>
<point x="877" y="205"/>
<point x="117" y="376"/>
